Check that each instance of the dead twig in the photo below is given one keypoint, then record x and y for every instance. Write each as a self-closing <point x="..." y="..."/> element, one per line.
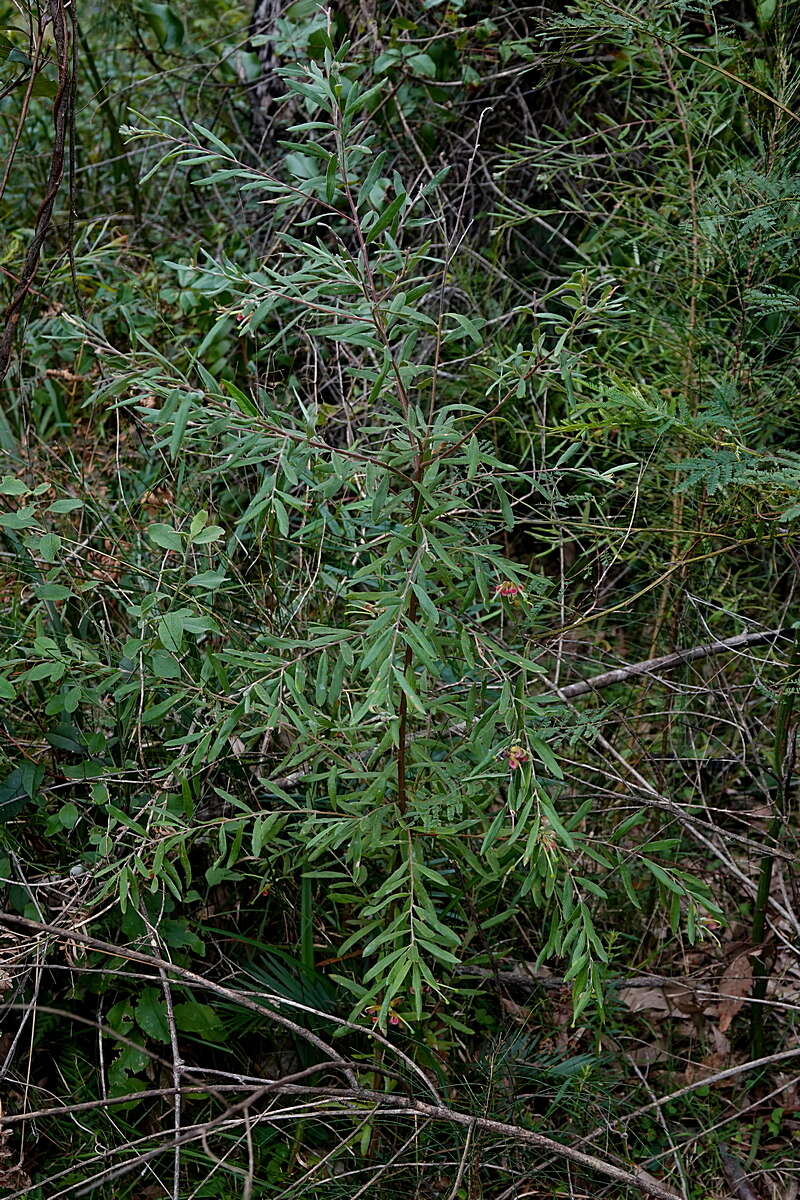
<point x="439" y="1112"/>
<point x="231" y="995"/>
<point x="667" y="661"/>
<point x="734" y="1173"/>
<point x="61" y="114"/>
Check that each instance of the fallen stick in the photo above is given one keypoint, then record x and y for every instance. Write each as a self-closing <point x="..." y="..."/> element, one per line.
<point x="636" y="1177"/>
<point x="650" y="665"/>
<point x="667" y="661"/>
<point x="733" y="1171"/>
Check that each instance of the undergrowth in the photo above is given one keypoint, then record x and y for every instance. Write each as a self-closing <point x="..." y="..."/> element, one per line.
<point x="343" y="440"/>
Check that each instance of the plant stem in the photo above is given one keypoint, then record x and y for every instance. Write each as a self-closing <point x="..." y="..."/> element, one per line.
<point x="408" y="657"/>
<point x="120" y="158"/>
<point x="306" y="923"/>
<point x="784" y="756"/>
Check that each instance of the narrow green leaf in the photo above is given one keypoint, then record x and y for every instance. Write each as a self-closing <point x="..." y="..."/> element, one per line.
<point x="387" y="216"/>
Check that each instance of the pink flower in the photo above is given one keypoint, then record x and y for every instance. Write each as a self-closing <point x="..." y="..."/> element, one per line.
<point x="517" y="756"/>
<point x="374" y="1011"/>
<point x="508" y="590"/>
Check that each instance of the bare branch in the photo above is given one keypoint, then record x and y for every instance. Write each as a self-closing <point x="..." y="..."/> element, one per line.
<point x="667" y="661"/>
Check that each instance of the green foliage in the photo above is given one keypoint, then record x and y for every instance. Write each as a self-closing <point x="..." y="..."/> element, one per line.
<point x="327" y="462"/>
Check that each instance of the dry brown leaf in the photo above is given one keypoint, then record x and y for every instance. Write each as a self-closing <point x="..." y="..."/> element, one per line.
<point x="720" y="1057"/>
<point x="674" y="999"/>
<point x="654" y="1051"/>
<point x="518" y="1012"/>
<point x="735" y="985"/>
<point x="682" y="1000"/>
<point x="645" y="999"/>
<point x="722" y="1045"/>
